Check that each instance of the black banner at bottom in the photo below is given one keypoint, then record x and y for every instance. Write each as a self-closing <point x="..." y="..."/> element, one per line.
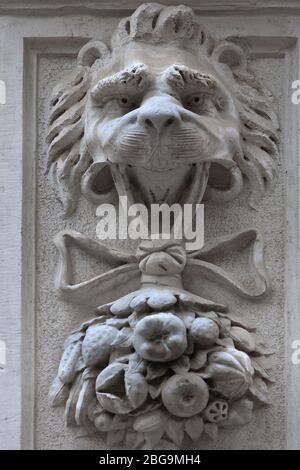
<point x="134" y="459"/>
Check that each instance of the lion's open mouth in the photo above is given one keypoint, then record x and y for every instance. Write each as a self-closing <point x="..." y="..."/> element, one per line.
<point x="158" y="185"/>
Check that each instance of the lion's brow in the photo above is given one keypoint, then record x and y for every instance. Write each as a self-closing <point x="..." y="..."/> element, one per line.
<point x="135" y="78"/>
<point x="181" y="76"/>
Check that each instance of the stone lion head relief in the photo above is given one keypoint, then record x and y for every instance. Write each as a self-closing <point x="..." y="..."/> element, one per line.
<point x="166" y="114"/>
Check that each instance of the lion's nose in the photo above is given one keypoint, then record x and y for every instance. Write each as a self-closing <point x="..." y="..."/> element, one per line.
<point x="158" y="116"/>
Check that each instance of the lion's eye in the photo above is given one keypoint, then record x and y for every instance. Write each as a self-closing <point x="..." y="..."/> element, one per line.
<point x="201" y="104"/>
<point x="127" y="104"/>
<point x="197" y="99"/>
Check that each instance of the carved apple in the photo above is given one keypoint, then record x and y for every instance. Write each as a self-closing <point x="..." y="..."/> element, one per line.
<point x="160" y="337"/>
<point x="204" y="332"/>
<point x="185" y="395"/>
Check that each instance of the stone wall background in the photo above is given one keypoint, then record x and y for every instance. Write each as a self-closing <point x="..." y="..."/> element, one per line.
<point x="55" y="319"/>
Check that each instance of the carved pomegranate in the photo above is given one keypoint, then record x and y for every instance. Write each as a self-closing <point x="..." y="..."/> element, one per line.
<point x="160" y="337"/>
<point x="185" y="395"/>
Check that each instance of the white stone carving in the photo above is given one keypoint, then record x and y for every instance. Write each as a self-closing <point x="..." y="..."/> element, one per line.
<point x="167" y="114"/>
<point x="160" y="359"/>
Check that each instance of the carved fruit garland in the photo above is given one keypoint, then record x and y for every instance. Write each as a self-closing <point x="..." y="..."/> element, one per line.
<point x="161" y="364"/>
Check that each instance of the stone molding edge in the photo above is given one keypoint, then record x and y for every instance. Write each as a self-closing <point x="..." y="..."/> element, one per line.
<point x="282" y="47"/>
<point x="33" y="48"/>
<point x="27" y="7"/>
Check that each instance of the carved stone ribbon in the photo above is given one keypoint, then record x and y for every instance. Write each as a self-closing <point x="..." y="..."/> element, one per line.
<point x="129" y="264"/>
<point x="160" y="358"/>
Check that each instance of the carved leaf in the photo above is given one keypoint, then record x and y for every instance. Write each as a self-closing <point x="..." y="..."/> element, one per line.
<point x="67" y="366"/>
<point x="153" y="438"/>
<point x="240" y="413"/>
<point x="224" y="325"/>
<point x="198" y="360"/>
<point x="90" y="373"/>
<point x="260" y="391"/>
<point x="238" y="320"/>
<point x="181" y="365"/>
<point x="86" y="395"/>
<point x="151" y="421"/>
<point x="120" y="355"/>
<point x="58" y="393"/>
<point x="121" y="307"/>
<point x="72" y="401"/>
<point x="113" y="403"/>
<point x="211" y="429"/>
<point x="80" y="366"/>
<point x="136" y="388"/>
<point x="124" y="338"/>
<point x="120" y="422"/>
<point x="99" y="320"/>
<point x="73" y="338"/>
<point x="262" y="347"/>
<point x="242" y="339"/>
<point x="194" y="427"/>
<point x="175" y="431"/>
<point x="261" y="371"/>
<point x="133" y="439"/>
<point x="136" y="364"/>
<point x="117" y="322"/>
<point x="114" y="437"/>
<point x="155" y="370"/>
<point x="151" y="406"/>
<point x="161" y="300"/>
<point x="133" y="319"/>
<point x="139" y="303"/>
<point x="267" y="362"/>
<point x="225" y="342"/>
<point x="156" y="387"/>
<point x="94" y="409"/>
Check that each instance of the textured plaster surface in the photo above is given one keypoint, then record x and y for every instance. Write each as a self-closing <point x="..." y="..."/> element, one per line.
<point x="55" y="319"/>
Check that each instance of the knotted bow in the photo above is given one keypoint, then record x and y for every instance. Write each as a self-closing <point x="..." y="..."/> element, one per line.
<point x="156" y="262"/>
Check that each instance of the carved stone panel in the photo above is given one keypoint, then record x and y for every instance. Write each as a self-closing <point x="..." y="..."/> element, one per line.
<point x="161" y="366"/>
<point x="147" y="343"/>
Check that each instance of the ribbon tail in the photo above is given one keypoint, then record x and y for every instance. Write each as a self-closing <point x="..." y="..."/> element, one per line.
<point x="99" y="289"/>
<point x="232" y="242"/>
<point x="65" y="238"/>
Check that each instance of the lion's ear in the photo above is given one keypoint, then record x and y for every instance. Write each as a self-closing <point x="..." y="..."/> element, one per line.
<point x="92" y="52"/>
<point x="67" y="158"/>
<point x="231" y="55"/>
